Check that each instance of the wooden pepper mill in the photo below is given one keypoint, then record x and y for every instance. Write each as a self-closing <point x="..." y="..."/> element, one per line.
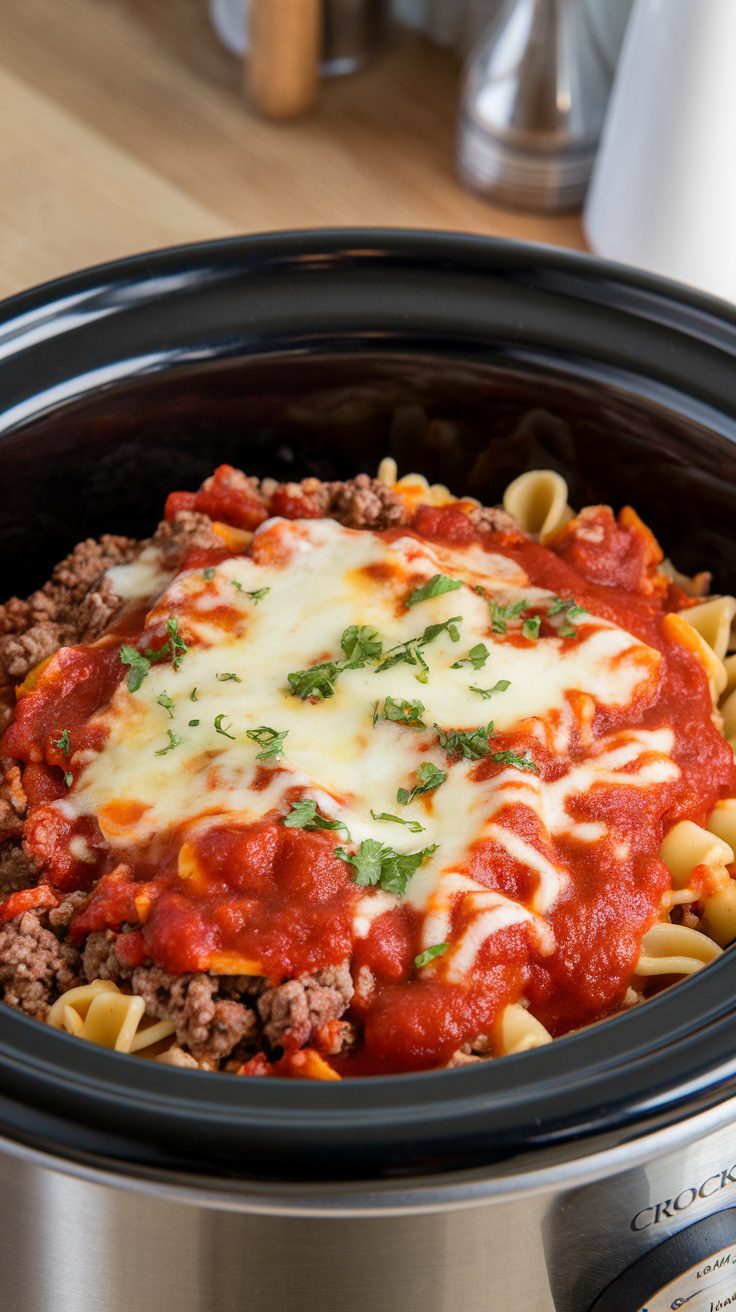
<point x="282" y="66"/>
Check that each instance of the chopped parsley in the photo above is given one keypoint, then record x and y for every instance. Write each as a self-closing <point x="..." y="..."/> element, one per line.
<point x="270" y="740"/>
<point x="193" y="724"/>
<point x="208" y="573"/>
<point x="62" y="742"/>
<point x="223" y="678"/>
<point x="404" y="712"/>
<point x="218" y="726"/>
<point x="378" y="865"/>
<point x="139" y="666"/>
<point x="257" y="596"/>
<point x="530" y="628"/>
<point x="434" y="587"/>
<point x="176" y="644"/>
<point x="524" y="762"/>
<point x="500" y="686"/>
<point x="361" y="643"/>
<point x="68" y="778"/>
<point x="503" y="615"/>
<point x="174" y="741"/>
<point x="167" y="703"/>
<point x="317" y="681"/>
<point x="304" y="815"/>
<point x="568" y="611"/>
<point x="409" y="651"/>
<point x="374" y="716"/>
<point x="429" y="954"/>
<point x="193" y="695"/>
<point x="429" y="776"/>
<point x="470" y="743"/>
<point x="477" y="657"/>
<point x="413" y="825"/>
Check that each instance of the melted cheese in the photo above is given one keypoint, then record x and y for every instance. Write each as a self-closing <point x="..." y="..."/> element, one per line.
<point x="322" y="578"/>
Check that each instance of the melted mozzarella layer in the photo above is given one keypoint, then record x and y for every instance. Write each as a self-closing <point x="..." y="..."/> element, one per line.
<point x="321" y="579"/>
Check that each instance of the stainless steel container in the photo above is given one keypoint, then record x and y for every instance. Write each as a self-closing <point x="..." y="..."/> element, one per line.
<point x="596" y="1175"/>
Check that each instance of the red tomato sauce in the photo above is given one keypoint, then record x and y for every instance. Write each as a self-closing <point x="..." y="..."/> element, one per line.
<point x="268" y="899"/>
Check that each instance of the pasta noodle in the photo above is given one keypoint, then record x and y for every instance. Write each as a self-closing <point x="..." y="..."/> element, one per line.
<point x="712" y="619"/>
<point x="675" y="950"/>
<point x="687" y="846"/>
<point x="520" y="1031"/>
<point x="537" y="500"/>
<point x="102" y="1014"/>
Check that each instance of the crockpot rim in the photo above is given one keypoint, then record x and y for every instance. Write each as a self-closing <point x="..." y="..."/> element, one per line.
<point x="471" y="1093"/>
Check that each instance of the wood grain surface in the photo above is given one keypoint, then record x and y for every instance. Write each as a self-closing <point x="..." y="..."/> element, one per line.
<point x="123" y="127"/>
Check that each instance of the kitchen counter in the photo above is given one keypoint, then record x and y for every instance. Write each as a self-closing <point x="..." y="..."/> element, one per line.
<point x="124" y="127"/>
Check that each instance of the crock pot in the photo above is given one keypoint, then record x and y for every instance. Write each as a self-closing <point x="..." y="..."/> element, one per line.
<point x="596" y="1174"/>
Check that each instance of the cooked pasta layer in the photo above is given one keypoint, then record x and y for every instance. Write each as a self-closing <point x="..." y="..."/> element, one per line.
<point x="404" y="794"/>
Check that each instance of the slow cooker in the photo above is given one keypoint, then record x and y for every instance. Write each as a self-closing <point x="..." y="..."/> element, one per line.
<point x="594" y="1175"/>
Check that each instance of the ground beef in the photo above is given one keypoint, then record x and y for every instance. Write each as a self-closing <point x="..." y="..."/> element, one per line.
<point x="99" y="959"/>
<point x="209" y="1026"/>
<point x="74" y="606"/>
<point x="462" y="1058"/>
<point x="294" y="1010"/>
<point x="60" y="917"/>
<point x="35" y="967"/>
<point x="187" y="531"/>
<point x="494" y="519"/>
<point x="13" y="802"/>
<point x="16" y="870"/>
<point x="365" y="502"/>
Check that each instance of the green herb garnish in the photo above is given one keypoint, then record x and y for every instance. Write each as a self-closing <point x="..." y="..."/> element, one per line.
<point x="139" y="666"/>
<point x="218" y="726"/>
<point x="471" y="743"/>
<point x="270" y="740"/>
<point x="167" y="703"/>
<point x="257" y="596"/>
<point x="377" y="865"/>
<point x="569" y="610"/>
<point x="429" y="954"/>
<point x="193" y="695"/>
<point x="361" y="643"/>
<point x="404" y="712"/>
<point x="223" y="678"/>
<point x="429" y="776"/>
<point x="193" y="724"/>
<point x="501" y="686"/>
<point x="530" y="628"/>
<point x="477" y="657"/>
<point x="409" y="651"/>
<point x="503" y="615"/>
<point x="174" y="741"/>
<point x="304" y="815"/>
<point x="317" y="681"/>
<point x="62" y="742"/>
<point x="208" y="573"/>
<point x="413" y="825"/>
<point x="434" y="587"/>
<point x="524" y="762"/>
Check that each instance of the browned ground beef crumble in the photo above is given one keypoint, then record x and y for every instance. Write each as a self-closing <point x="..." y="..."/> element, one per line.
<point x="220" y="1021"/>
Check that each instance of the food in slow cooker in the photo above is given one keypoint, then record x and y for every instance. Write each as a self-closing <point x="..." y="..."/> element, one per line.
<point x="336" y="779"/>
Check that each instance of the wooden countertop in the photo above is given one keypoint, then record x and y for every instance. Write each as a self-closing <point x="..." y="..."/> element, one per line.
<point x="124" y="128"/>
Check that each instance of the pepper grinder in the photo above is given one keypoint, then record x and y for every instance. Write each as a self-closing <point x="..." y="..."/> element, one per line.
<point x="532" y="105"/>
